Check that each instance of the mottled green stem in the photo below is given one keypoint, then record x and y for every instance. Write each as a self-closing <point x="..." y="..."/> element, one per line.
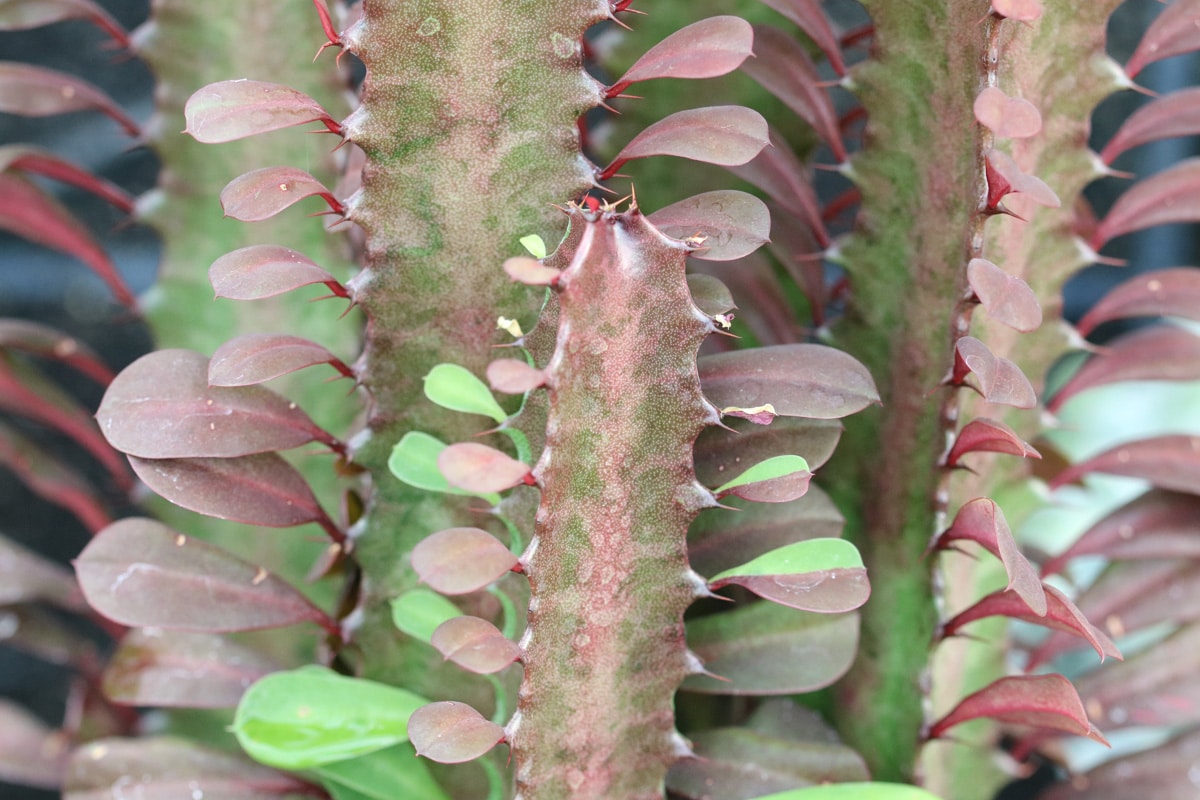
<point x="608" y="568"/>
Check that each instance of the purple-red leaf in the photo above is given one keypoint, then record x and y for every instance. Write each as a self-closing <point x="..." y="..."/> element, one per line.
<point x="266" y="270"/>
<point x="514" y="376"/>
<point x="1008" y="299"/>
<point x="1159" y="353"/>
<point x="263" y="193"/>
<point x="1168" y="462"/>
<point x="451" y="733"/>
<point x="822" y="575"/>
<point x="258" y="357"/>
<point x="161" y="406"/>
<point x="1172" y="195"/>
<point x="28" y="158"/>
<point x="1000" y="380"/>
<point x="710" y="294"/>
<point x="778" y="172"/>
<point x="732" y="223"/>
<point x="229" y="110"/>
<point x="1061" y="615"/>
<point x="141" y="573"/>
<point x="981" y="521"/>
<point x="51" y="479"/>
<point x="42" y="340"/>
<point x="1166" y="117"/>
<point x="1159" y="524"/>
<point x="705" y="49"/>
<point x="26" y="392"/>
<point x="798" y="380"/>
<point x="991" y="436"/>
<point x="725" y="135"/>
<point x="475" y="645"/>
<point x="461" y="560"/>
<point x="163" y="768"/>
<point x="260" y="489"/>
<point x="31" y="754"/>
<point x="30" y="213"/>
<point x="1040" y="701"/>
<point x="1163" y="772"/>
<point x="720" y="453"/>
<point x="1021" y="10"/>
<point x="1005" y="177"/>
<point x="531" y="272"/>
<point x="1170" y="292"/>
<point x="20" y="15"/>
<point x="1007" y="117"/>
<point x="27" y="577"/>
<point x="811" y="19"/>
<point x="784" y="69"/>
<point x="480" y="469"/>
<point x="39" y="92"/>
<point x="155" y="667"/>
<point x="1172" y="33"/>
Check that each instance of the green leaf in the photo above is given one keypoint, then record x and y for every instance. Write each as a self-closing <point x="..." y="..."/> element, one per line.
<point x="534" y="244"/>
<point x="456" y="388"/>
<point x="414" y="461"/>
<point x="312" y="716"/>
<point x="382" y="775"/>
<point x="775" y="467"/>
<point x="419" y="612"/>
<point x="854" y="791"/>
<point x="812" y="555"/>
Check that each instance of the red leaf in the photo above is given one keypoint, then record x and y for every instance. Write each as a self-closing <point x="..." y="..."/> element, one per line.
<point x="1021" y="10"/>
<point x="230" y="110"/>
<point x="778" y="172"/>
<point x="1005" y="177"/>
<point x="733" y="223"/>
<point x="39" y="92"/>
<point x="25" y="392"/>
<point x="725" y="135"/>
<point x="1159" y="353"/>
<point x="258" y="357"/>
<point x="42" y="340"/>
<point x="720" y="453"/>
<point x="154" y="667"/>
<point x="531" y="272"/>
<point x="1041" y="701"/>
<point x="26" y="577"/>
<point x="783" y="68"/>
<point x="31" y="754"/>
<point x="42" y="634"/>
<point x="1007" y="117"/>
<point x="981" y="521"/>
<point x="30" y="213"/>
<point x="1172" y="33"/>
<point x="263" y="193"/>
<point x="161" y="406"/>
<point x="461" y="560"/>
<point x="164" y="768"/>
<point x="1165" y="292"/>
<point x="1061" y="615"/>
<point x="451" y="733"/>
<point x="475" y="645"/>
<point x="705" y="49"/>
<point x="20" y="15"/>
<point x="265" y="270"/>
<point x="479" y="468"/>
<point x="799" y="380"/>
<point x="991" y="436"/>
<point x="1159" y="524"/>
<point x="709" y="294"/>
<point x="1166" y="117"/>
<point x="513" y="376"/>
<point x="1008" y="299"/>
<point x="28" y="158"/>
<point x="1172" y="195"/>
<point x="1000" y="380"/>
<point x="260" y="489"/>
<point x="141" y="573"/>
<point x="1168" y="462"/>
<point x="827" y="591"/>
<point x="793" y="245"/>
<point x="811" y="19"/>
<point x="51" y="479"/>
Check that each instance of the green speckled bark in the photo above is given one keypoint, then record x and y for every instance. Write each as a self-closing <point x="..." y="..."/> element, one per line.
<point x="608" y="568"/>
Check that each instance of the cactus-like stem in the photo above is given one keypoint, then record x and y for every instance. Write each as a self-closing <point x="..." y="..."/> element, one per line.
<point x="608" y="568"/>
